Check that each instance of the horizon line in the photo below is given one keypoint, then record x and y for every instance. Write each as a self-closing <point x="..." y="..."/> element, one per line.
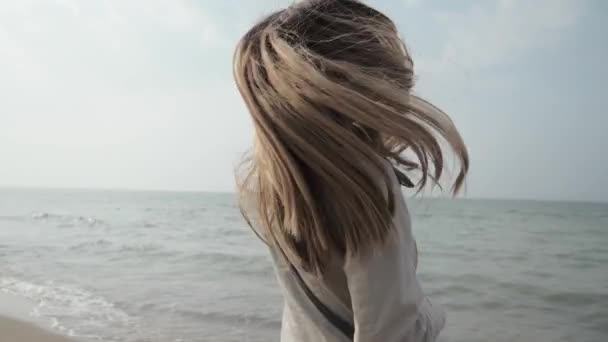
<point x="420" y="197"/>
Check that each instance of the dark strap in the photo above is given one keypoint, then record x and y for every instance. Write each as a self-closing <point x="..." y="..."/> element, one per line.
<point x="345" y="327"/>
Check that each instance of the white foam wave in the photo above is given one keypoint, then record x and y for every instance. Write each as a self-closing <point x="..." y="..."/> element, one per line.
<point x="40" y="216"/>
<point x="67" y="307"/>
<point x="67" y="220"/>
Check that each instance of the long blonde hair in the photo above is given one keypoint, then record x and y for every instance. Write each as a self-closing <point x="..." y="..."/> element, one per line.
<point x="328" y="85"/>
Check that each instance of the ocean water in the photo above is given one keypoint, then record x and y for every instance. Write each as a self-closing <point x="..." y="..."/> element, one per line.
<point x="146" y="266"/>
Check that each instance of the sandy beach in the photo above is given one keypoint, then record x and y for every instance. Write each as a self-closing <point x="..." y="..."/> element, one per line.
<point x="18" y="325"/>
<point x="12" y="330"/>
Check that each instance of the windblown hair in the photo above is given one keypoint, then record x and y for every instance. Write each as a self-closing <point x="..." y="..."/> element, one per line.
<point x="327" y="83"/>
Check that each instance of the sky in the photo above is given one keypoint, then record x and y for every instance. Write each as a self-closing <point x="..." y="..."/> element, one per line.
<point x="138" y="94"/>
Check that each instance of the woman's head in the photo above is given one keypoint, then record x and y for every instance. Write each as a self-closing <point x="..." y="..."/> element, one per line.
<point x="327" y="83"/>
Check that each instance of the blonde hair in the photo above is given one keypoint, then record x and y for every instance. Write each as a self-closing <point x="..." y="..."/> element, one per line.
<point x="327" y="83"/>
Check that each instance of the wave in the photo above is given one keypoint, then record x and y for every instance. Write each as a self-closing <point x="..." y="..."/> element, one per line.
<point x="122" y="250"/>
<point x="234" y="256"/>
<point x="231" y="319"/>
<point x="72" y="310"/>
<point x="146" y="225"/>
<point x="150" y="249"/>
<point x="93" y="244"/>
<point x="67" y="221"/>
<point x="574" y="298"/>
<point x="248" y="265"/>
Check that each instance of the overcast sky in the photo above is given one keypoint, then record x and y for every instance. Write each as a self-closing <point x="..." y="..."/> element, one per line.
<point x="138" y="94"/>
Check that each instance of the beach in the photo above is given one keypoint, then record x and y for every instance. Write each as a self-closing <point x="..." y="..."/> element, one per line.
<point x="12" y="330"/>
<point x="17" y="324"/>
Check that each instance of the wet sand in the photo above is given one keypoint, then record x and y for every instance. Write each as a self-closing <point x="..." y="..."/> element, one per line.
<point x="18" y="325"/>
<point x="12" y="330"/>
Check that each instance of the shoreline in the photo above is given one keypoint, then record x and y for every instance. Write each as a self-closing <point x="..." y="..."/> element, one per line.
<point x="14" y="330"/>
<point x="17" y="325"/>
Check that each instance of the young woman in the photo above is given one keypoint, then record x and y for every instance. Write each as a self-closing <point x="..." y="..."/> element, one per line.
<point x="337" y="131"/>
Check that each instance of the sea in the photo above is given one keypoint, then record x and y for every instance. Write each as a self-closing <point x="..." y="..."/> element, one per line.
<point x="177" y="267"/>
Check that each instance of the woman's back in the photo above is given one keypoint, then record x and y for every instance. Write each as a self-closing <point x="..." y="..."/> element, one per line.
<point x="379" y="294"/>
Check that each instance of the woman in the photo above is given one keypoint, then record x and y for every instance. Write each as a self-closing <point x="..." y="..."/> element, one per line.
<point x="327" y="83"/>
